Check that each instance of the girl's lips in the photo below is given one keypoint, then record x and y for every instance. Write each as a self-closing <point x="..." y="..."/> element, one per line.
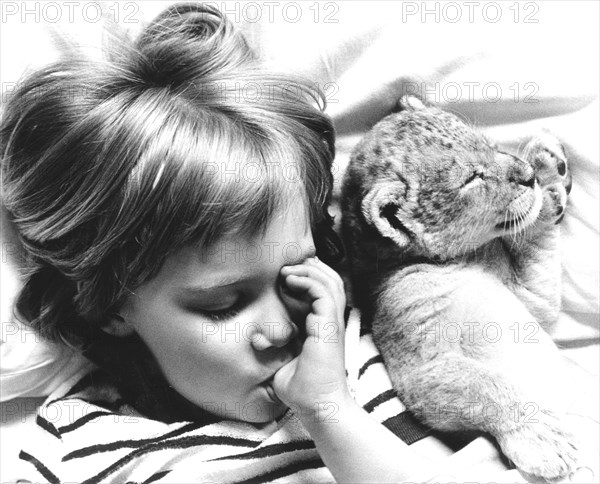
<point x="268" y="384"/>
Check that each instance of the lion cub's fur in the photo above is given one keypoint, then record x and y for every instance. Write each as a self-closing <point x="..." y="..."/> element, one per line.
<point x="453" y="250"/>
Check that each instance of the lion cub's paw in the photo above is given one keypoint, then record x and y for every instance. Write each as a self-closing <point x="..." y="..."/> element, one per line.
<point x="548" y="158"/>
<point x="543" y="449"/>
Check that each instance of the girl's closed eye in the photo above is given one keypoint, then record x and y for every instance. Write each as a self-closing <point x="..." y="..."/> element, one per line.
<point x="221" y="314"/>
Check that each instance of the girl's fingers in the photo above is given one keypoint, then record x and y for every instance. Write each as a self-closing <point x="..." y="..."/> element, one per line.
<point x="330" y="288"/>
<point x="334" y="279"/>
<point x="324" y="303"/>
<point x="314" y="288"/>
<point x="319" y="263"/>
<point x="319" y="271"/>
<point x="317" y="281"/>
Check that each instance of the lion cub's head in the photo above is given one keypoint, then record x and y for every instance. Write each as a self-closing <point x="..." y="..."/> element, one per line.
<point x="422" y="184"/>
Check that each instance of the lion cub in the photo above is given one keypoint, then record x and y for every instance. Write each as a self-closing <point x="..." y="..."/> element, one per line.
<point x="453" y="249"/>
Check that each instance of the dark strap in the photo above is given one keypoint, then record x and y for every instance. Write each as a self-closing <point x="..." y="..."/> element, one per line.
<point x="407" y="427"/>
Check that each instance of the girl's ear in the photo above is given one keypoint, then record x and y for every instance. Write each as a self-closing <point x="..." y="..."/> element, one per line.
<point x="118" y="326"/>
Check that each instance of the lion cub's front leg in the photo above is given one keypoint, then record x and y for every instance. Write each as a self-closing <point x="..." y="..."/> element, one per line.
<point x="454" y="375"/>
<point x="534" y="252"/>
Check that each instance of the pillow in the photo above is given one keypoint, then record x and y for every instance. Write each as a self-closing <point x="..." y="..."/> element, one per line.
<point x="32" y="366"/>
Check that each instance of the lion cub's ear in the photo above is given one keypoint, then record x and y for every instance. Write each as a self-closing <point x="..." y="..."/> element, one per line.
<point x="412" y="103"/>
<point x="380" y="208"/>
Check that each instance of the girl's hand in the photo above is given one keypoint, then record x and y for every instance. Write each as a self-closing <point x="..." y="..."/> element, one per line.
<point x="315" y="380"/>
<point x="353" y="446"/>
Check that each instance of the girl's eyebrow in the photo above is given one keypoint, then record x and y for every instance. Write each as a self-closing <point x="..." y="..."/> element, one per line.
<point x="235" y="279"/>
<point x="220" y="283"/>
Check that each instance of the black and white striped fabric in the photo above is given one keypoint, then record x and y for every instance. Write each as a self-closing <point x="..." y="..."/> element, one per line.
<point x="86" y="433"/>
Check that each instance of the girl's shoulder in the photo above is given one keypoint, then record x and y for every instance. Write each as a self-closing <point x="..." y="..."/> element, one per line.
<point x="87" y="431"/>
<point x="86" y="406"/>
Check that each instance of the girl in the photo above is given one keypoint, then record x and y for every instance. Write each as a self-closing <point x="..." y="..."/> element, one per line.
<point x="177" y="234"/>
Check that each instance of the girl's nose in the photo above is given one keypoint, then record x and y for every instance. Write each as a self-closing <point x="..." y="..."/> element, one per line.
<point x="277" y="327"/>
<point x="274" y="334"/>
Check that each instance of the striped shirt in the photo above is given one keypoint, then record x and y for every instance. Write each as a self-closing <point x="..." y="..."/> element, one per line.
<point x="87" y="433"/>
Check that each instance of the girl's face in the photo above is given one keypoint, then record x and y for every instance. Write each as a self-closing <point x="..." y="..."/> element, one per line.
<point x="220" y="323"/>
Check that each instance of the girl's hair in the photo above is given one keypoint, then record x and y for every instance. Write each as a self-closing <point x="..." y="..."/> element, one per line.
<point x="176" y="138"/>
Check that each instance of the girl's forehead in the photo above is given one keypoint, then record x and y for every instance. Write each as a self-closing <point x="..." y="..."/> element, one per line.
<point x="287" y="239"/>
<point x="287" y="227"/>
